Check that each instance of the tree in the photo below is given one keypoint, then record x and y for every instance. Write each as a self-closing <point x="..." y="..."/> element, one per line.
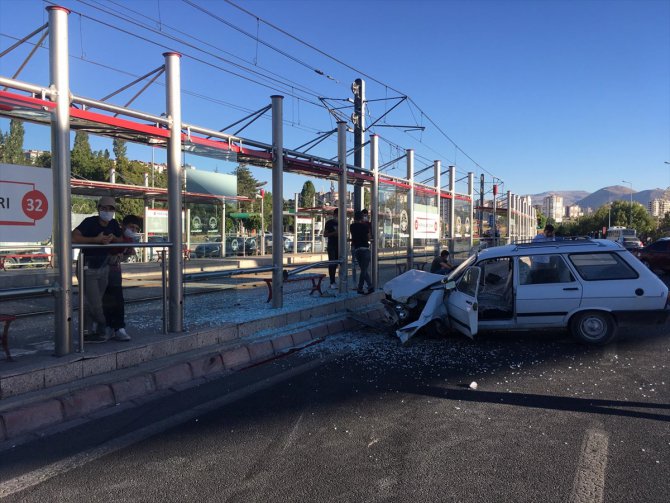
<point x="307" y="194"/>
<point x="246" y="185"/>
<point x="81" y="157"/>
<point x="12" y="151"/>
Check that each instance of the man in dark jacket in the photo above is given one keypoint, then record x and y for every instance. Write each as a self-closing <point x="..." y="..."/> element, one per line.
<point x="101" y="229"/>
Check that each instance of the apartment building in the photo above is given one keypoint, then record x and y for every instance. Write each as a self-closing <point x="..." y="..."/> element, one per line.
<point x="659" y="207"/>
<point x="552" y="207"/>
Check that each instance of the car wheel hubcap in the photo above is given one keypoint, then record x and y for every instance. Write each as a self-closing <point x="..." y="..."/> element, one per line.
<point x="593" y="327"/>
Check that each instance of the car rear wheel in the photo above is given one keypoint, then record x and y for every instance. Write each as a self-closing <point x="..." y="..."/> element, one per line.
<point x="593" y="327"/>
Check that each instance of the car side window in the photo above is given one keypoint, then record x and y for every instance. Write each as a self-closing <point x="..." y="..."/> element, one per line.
<point x="602" y="266"/>
<point x="543" y="269"/>
<point x="468" y="282"/>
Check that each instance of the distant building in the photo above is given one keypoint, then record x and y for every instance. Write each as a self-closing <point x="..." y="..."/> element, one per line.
<point x="573" y="212"/>
<point x="32" y="155"/>
<point x="552" y="207"/>
<point x="659" y="207"/>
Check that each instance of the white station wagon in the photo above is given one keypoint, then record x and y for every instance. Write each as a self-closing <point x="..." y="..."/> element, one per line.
<point x="588" y="286"/>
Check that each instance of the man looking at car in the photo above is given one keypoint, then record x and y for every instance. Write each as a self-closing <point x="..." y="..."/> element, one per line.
<point x="360" y="244"/>
<point x="330" y="232"/>
<point x="101" y="229"/>
<point x="547" y="235"/>
<point x="113" y="302"/>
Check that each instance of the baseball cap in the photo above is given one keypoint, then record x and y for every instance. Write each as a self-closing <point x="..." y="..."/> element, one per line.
<point x="107" y="201"/>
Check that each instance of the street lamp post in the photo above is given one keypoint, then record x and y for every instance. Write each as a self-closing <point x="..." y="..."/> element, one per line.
<point x="630" y="219"/>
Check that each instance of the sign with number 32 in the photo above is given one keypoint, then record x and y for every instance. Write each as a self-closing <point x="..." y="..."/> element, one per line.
<point x="25" y="209"/>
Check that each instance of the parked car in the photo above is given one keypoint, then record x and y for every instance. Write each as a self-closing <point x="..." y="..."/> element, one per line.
<point x="316" y="246"/>
<point x="152" y="253"/>
<point x="656" y="256"/>
<point x="631" y="243"/>
<point x="288" y="243"/>
<point x="587" y="286"/>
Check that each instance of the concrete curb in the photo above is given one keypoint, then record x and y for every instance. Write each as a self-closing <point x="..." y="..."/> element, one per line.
<point x="32" y="419"/>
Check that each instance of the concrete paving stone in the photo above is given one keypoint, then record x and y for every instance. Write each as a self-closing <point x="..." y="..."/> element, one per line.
<point x="133" y="356"/>
<point x="84" y="401"/>
<point x="350" y="324"/>
<point x="208" y="337"/>
<point x="175" y="374"/>
<point x="206" y="365"/>
<point x="133" y="387"/>
<point x="32" y="417"/>
<point x="253" y="327"/>
<point x="61" y="374"/>
<point x="261" y="350"/>
<point x="22" y="383"/>
<point x="293" y="317"/>
<point x="235" y="358"/>
<point x="99" y="364"/>
<point x="282" y="343"/>
<point x="335" y="327"/>
<point x="228" y="333"/>
<point x="305" y="336"/>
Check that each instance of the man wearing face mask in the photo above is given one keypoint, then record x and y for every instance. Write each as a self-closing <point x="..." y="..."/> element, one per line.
<point x="113" y="303"/>
<point x="101" y="229"/>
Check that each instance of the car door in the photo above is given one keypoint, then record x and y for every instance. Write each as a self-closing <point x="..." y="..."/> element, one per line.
<point x="462" y="303"/>
<point x="547" y="290"/>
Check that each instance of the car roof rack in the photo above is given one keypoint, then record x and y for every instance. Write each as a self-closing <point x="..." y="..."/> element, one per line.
<point x="565" y="241"/>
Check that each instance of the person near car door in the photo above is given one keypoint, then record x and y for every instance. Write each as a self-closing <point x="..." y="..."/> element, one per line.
<point x="113" y="303"/>
<point x="101" y="229"/>
<point x="330" y="232"/>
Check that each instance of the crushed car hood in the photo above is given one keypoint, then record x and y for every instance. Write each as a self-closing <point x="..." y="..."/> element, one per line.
<point x="407" y="284"/>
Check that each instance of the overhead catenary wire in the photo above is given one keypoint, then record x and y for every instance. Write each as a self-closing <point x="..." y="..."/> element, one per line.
<point x="284" y="86"/>
<point x="161" y="32"/>
<point x="365" y="74"/>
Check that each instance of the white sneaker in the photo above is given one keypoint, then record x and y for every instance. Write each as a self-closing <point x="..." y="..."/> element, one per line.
<point x="333" y="286"/>
<point x="121" y="335"/>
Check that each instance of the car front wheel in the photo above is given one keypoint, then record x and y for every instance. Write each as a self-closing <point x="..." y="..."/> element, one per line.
<point x="593" y="327"/>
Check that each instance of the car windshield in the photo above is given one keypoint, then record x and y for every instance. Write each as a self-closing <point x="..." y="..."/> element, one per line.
<point x="458" y="271"/>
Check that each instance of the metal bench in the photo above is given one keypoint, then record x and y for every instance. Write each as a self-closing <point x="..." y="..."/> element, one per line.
<point x="7" y="318"/>
<point x="314" y="278"/>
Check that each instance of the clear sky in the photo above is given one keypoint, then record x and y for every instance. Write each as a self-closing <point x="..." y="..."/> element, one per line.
<point x="544" y="95"/>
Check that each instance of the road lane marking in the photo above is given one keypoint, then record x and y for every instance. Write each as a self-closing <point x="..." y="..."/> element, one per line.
<point x="45" y="473"/>
<point x="589" y="484"/>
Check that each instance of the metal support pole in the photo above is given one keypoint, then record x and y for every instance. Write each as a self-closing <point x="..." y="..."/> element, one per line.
<point x="374" y="208"/>
<point x="410" y="209"/>
<point x="452" y="208"/>
<point x="80" y="283"/>
<point x="59" y="75"/>
<point x="471" y="216"/>
<point x="342" y="205"/>
<point x="176" y="257"/>
<point x="295" y="228"/>
<point x="277" y="200"/>
<point x="510" y="215"/>
<point x="437" y="178"/>
<point x="358" y="88"/>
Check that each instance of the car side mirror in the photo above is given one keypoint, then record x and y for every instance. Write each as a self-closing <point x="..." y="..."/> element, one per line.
<point x="449" y="285"/>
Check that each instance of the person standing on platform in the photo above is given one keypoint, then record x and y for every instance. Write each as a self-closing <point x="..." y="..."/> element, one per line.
<point x="101" y="229"/>
<point x="113" y="302"/>
<point x="360" y="244"/>
<point x="330" y="232"/>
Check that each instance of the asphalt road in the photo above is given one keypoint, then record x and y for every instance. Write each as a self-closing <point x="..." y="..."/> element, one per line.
<point x="361" y="418"/>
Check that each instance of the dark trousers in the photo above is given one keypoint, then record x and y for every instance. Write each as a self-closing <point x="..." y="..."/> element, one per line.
<point x="363" y="258"/>
<point x="333" y="254"/>
<point x="113" y="303"/>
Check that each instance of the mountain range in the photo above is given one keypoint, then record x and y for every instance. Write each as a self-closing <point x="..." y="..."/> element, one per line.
<point x="600" y="197"/>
